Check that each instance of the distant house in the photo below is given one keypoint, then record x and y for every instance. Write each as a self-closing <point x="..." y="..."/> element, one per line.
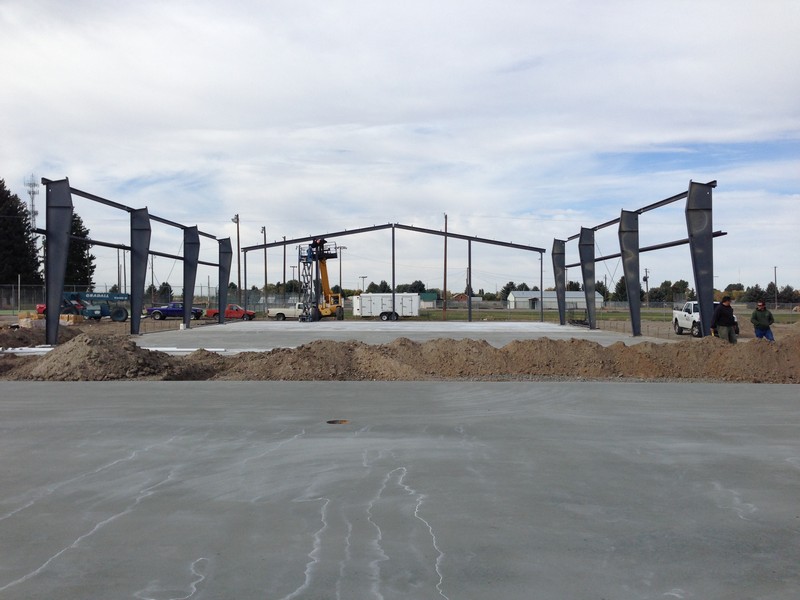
<point x="530" y="300"/>
<point x="428" y="299"/>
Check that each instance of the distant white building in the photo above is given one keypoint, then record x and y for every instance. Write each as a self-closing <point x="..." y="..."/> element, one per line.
<point x="530" y="300"/>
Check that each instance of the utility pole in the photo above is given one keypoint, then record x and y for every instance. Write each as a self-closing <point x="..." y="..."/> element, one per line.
<point x="264" y="231"/>
<point x="362" y="278"/>
<point x="235" y="219"/>
<point x="444" y="291"/>
<point x="284" y="270"/>
<point x="152" y="282"/>
<point x="340" y="268"/>
<point x="646" y="279"/>
<point x="776" y="287"/>
<point x="33" y="191"/>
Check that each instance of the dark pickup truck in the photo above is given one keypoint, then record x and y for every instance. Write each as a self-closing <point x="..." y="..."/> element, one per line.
<point x="173" y="309"/>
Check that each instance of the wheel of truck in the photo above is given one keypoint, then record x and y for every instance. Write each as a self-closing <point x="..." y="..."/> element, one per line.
<point x="69" y="310"/>
<point x="315" y="314"/>
<point x="678" y="328"/>
<point x="339" y="313"/>
<point x="384" y="316"/>
<point x="280" y="317"/>
<point x="157" y="315"/>
<point x="696" y="332"/>
<point x="119" y="314"/>
<point x="196" y="315"/>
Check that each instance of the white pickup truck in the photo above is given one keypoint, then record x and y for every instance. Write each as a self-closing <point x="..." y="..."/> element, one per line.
<point x="282" y="313"/>
<point x="688" y="318"/>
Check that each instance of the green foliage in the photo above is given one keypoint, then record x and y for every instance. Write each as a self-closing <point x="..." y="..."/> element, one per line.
<point x="573" y="286"/>
<point x="18" y="257"/>
<point x="382" y="288"/>
<point x="620" y="291"/>
<point x="506" y="290"/>
<point x="601" y="288"/>
<point x="80" y="260"/>
<point x="753" y="294"/>
<point x="164" y="293"/>
<point x="416" y="287"/>
<point x="788" y="294"/>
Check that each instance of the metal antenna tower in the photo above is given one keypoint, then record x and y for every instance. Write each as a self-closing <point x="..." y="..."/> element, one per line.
<point x="33" y="191"/>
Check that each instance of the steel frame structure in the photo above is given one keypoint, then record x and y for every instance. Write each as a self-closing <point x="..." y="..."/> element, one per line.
<point x="699" y="226"/>
<point x="394" y="227"/>
<point x="59" y="223"/>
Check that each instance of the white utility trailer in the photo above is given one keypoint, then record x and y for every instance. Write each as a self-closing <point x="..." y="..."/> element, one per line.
<point x="380" y="305"/>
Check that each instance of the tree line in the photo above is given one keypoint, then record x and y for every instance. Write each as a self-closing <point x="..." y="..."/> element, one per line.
<point x="21" y="259"/>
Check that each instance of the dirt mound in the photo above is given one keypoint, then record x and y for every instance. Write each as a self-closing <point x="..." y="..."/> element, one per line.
<point x="97" y="357"/>
<point x="12" y="336"/>
<point x="94" y="358"/>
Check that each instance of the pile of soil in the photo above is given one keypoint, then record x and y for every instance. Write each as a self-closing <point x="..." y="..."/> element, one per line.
<point x="97" y="357"/>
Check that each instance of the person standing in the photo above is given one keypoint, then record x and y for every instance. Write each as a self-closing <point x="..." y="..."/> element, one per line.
<point x="762" y="320"/>
<point x="723" y="321"/>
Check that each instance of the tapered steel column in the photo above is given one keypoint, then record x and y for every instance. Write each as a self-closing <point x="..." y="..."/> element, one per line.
<point x="629" y="249"/>
<point x="225" y="259"/>
<point x="559" y="272"/>
<point x="586" y="253"/>
<point x="140" y="252"/>
<point x="59" y="226"/>
<point x="701" y="245"/>
<point x="191" y="254"/>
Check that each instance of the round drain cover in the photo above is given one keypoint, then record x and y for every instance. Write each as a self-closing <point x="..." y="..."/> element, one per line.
<point x="337" y="421"/>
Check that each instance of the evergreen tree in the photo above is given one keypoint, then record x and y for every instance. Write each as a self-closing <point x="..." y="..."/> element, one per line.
<point x="80" y="260"/>
<point x="600" y="287"/>
<point x="620" y="291"/>
<point x="788" y="295"/>
<point x="753" y="294"/>
<point x="18" y="258"/>
<point x="165" y="292"/>
<point x="507" y="289"/>
<point x="416" y="287"/>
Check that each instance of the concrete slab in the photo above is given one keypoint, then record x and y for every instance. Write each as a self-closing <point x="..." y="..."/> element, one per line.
<point x="240" y="490"/>
<point x="239" y="336"/>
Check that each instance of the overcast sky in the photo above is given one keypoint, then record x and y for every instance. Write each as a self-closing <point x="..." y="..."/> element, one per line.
<point x="523" y="121"/>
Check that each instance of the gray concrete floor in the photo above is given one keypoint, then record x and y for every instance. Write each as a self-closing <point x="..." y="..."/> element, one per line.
<point x="238" y="336"/>
<point x="204" y="490"/>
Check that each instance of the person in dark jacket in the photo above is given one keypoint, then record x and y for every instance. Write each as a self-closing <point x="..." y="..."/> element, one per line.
<point x="723" y="321"/>
<point x="762" y="320"/>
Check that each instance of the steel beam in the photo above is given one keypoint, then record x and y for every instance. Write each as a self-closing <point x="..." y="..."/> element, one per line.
<point x="629" y="250"/>
<point x="701" y="245"/>
<point x="559" y="271"/>
<point x="586" y="253"/>
<point x="191" y="252"/>
<point x="225" y="259"/>
<point x="140" y="249"/>
<point x="59" y="225"/>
